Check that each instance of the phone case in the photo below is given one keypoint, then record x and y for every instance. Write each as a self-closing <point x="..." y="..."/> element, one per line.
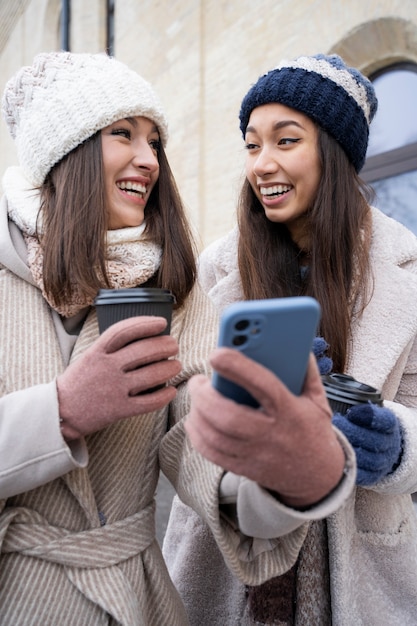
<point x="277" y="332"/>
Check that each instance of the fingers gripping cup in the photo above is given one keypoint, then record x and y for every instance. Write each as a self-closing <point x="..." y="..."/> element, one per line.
<point x="343" y="392"/>
<point x="113" y="305"/>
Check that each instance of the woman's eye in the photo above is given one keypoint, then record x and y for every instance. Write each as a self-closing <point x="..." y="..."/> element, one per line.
<point x="250" y="146"/>
<point x="285" y="141"/>
<point x="155" y="145"/>
<point x="122" y="132"/>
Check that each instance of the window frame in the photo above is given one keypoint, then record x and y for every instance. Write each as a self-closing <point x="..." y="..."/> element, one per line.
<point x="399" y="160"/>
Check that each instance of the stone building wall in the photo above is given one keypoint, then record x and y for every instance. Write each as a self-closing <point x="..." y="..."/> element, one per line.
<point x="202" y="56"/>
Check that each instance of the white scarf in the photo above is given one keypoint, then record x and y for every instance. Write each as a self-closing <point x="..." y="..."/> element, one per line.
<point x="131" y="258"/>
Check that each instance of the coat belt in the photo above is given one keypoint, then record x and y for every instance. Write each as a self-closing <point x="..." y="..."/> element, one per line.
<point x="26" y="531"/>
<point x="89" y="558"/>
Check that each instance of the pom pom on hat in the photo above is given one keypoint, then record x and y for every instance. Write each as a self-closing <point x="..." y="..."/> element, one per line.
<point x="63" y="98"/>
<point x="337" y="97"/>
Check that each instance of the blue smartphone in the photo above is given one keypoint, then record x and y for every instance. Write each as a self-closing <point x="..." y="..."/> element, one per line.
<point x="276" y="332"/>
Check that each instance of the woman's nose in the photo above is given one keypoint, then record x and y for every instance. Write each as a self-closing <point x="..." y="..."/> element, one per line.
<point x="265" y="164"/>
<point x="145" y="157"/>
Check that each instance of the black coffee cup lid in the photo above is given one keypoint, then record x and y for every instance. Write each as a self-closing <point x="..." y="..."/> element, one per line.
<point x="146" y="294"/>
<point x="348" y="389"/>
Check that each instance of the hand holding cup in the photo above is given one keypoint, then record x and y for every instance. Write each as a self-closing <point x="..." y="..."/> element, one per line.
<point x="116" y="377"/>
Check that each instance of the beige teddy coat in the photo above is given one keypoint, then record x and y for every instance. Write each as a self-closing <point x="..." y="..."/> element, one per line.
<point x="372" y="540"/>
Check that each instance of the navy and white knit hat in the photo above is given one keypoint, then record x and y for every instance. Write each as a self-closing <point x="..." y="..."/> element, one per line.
<point x="62" y="99"/>
<point x="337" y="97"/>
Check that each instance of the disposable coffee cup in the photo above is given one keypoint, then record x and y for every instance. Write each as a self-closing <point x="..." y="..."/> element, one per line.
<point x="114" y="305"/>
<point x="343" y="392"/>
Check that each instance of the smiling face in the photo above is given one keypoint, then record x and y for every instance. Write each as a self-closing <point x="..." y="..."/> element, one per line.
<point x="130" y="159"/>
<point x="282" y="164"/>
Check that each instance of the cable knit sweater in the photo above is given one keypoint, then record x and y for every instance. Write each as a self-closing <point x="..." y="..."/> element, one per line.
<point x="372" y="539"/>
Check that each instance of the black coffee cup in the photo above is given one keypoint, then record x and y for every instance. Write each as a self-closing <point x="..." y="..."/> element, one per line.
<point x="343" y="392"/>
<point x="113" y="305"/>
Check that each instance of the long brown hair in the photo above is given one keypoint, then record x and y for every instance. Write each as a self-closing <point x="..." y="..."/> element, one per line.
<point x="74" y="225"/>
<point x="338" y="265"/>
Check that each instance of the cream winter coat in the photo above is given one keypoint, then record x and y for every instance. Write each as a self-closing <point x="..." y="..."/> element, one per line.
<point x="77" y="532"/>
<point x="372" y="540"/>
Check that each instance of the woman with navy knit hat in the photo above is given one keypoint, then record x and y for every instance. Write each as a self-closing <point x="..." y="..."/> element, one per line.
<point x="305" y="227"/>
<point x="83" y="416"/>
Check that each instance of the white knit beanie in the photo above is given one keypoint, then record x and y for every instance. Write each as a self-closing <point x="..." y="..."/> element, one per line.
<point x="64" y="98"/>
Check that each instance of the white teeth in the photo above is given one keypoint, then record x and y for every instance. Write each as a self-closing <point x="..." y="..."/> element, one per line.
<point x="276" y="189"/>
<point x="129" y="185"/>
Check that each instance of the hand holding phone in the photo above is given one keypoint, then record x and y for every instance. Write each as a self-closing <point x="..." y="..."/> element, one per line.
<point x="290" y="446"/>
<point x="277" y="333"/>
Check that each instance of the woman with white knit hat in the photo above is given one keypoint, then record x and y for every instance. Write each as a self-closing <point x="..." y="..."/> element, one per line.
<point x="83" y="417"/>
<point x="305" y="228"/>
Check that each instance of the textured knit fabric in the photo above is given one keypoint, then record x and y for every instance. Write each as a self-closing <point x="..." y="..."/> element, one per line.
<point x="301" y="595"/>
<point x="131" y="258"/>
<point x="337" y="97"/>
<point x="325" y="363"/>
<point x="372" y="539"/>
<point x="62" y="99"/>
<point x="374" y="432"/>
<point x="129" y="263"/>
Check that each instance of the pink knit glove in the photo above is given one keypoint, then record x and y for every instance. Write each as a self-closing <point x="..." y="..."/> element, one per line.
<point x="114" y="378"/>
<point x="288" y="445"/>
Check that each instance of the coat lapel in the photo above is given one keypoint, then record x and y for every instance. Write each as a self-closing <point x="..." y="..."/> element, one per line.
<point x="383" y="336"/>
<point x="78" y="481"/>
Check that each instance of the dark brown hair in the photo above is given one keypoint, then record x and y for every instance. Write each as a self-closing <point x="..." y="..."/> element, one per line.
<point x="74" y="217"/>
<point x="338" y="264"/>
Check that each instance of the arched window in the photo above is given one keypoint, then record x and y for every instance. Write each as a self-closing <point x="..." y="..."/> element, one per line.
<point x="391" y="165"/>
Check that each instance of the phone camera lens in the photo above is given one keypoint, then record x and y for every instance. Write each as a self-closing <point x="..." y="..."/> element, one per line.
<point x="239" y="340"/>
<point x="242" y="324"/>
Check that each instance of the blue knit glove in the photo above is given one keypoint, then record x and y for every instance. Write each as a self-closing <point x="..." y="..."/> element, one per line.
<point x="375" y="434"/>
<point x="324" y="362"/>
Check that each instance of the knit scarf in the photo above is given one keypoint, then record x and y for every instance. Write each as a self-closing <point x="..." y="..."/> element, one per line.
<point x="131" y="258"/>
<point x="301" y="595"/>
